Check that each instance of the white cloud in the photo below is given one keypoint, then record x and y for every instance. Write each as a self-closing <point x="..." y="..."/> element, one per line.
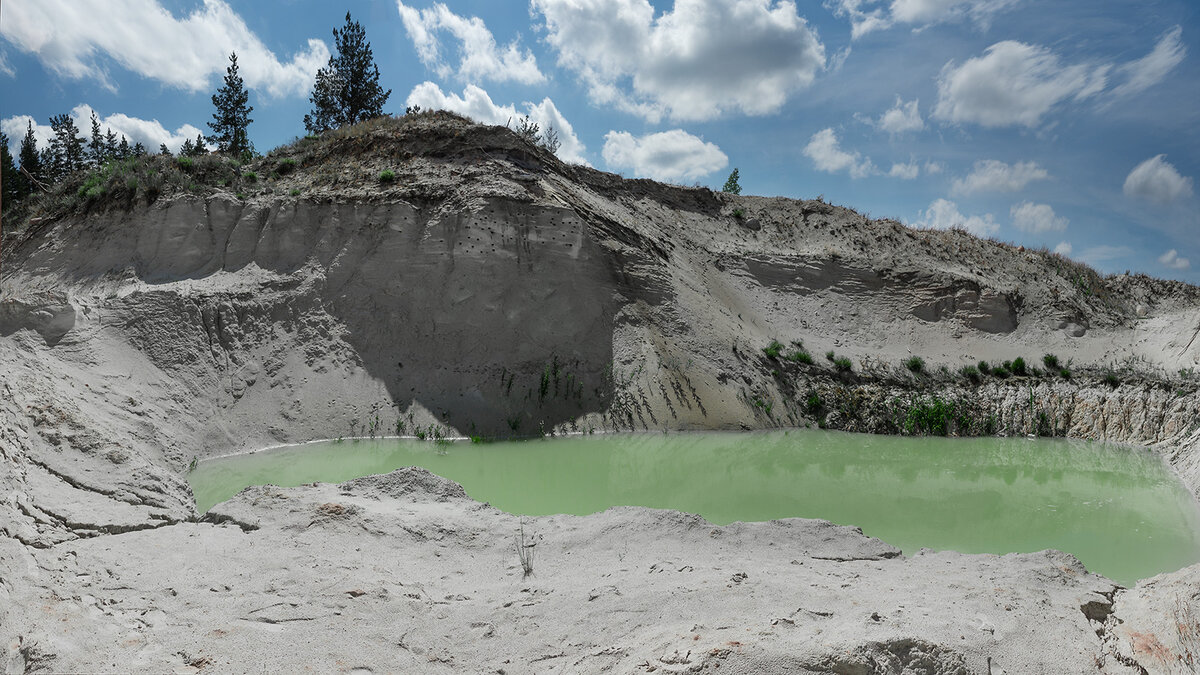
<point x="1156" y="180"/>
<point x="827" y="155"/>
<point x="1097" y="256"/>
<point x="932" y="167"/>
<point x="73" y="38"/>
<point x="667" y="156"/>
<point x="1012" y="84"/>
<point x="478" y="105"/>
<point x="991" y="175"/>
<point x="943" y="214"/>
<point x="901" y="118"/>
<point x="905" y="171"/>
<point x="867" y="16"/>
<point x="700" y="60"/>
<point x="480" y="57"/>
<point x="1171" y="260"/>
<point x="927" y="12"/>
<point x="1154" y="67"/>
<point x="150" y="133"/>
<point x="5" y="68"/>
<point x="1064" y="248"/>
<point x="1030" y="217"/>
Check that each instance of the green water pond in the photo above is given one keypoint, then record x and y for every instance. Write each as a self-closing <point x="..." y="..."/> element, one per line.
<point x="1119" y="510"/>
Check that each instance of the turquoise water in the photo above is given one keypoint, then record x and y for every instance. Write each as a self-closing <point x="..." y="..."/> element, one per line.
<point x="1117" y="509"/>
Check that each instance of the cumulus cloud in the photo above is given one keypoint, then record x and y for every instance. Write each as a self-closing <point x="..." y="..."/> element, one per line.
<point x="907" y="171"/>
<point x="1157" y="181"/>
<point x="1064" y="248"/>
<point x="74" y="39"/>
<point x="1151" y="69"/>
<point x="991" y="175"/>
<point x="478" y="105"/>
<point x="667" y="156"/>
<point x="867" y="16"/>
<point x="901" y="118"/>
<point x="479" y="55"/>
<point x="1012" y="84"/>
<point x="943" y="214"/>
<point x="698" y="61"/>
<point x="150" y="133"/>
<point x="1030" y="217"/>
<point x="1171" y="260"/>
<point x="827" y="155"/>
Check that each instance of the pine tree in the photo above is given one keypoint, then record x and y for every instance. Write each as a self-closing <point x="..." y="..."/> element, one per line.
<point x="187" y="149"/>
<point x="139" y="150"/>
<point x="66" y="147"/>
<point x="123" y="150"/>
<point x="731" y="185"/>
<point x="233" y="115"/>
<point x="347" y="90"/>
<point x="110" y="144"/>
<point x="31" y="163"/>
<point x="198" y="146"/>
<point x="96" y="149"/>
<point x="164" y="150"/>
<point x="10" y="183"/>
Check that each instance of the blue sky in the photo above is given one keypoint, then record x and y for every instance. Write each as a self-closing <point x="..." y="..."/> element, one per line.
<point x="1072" y="124"/>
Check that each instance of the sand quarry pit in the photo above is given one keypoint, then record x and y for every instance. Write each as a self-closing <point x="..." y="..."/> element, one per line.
<point x="492" y="291"/>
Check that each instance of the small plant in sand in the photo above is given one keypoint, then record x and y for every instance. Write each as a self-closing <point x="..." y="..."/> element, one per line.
<point x="772" y="350"/>
<point x="1018" y="366"/>
<point x="801" y="356"/>
<point x="984" y="368"/>
<point x="1051" y="362"/>
<point x="525" y="549"/>
<point x="971" y="373"/>
<point x="843" y="364"/>
<point x="916" y="364"/>
<point x="387" y="176"/>
<point x="1111" y="379"/>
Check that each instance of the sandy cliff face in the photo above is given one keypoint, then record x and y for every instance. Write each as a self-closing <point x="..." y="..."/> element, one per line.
<point x="492" y="290"/>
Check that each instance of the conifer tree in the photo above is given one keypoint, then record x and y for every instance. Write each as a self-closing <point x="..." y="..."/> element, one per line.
<point x="347" y="90"/>
<point x="123" y="149"/>
<point x="732" y="186"/>
<point x="10" y="183"/>
<point x="164" y="150"/>
<point x="66" y="147"/>
<point x="31" y="162"/>
<point x="139" y="150"/>
<point x="233" y="115"/>
<point x="96" y="148"/>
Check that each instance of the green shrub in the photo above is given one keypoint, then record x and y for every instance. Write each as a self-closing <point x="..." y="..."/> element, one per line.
<point x="1018" y="366"/>
<point x="829" y="355"/>
<point x="241" y="195"/>
<point x="285" y="166"/>
<point x="250" y="176"/>
<point x="1051" y="362"/>
<point x="387" y="176"/>
<point x="295" y="192"/>
<point x="1000" y="373"/>
<point x="739" y="214"/>
<point x="1065" y="373"/>
<point x="813" y="403"/>
<point x="1111" y="379"/>
<point x="970" y="372"/>
<point x="930" y="417"/>
<point x="801" y="356"/>
<point x="772" y="350"/>
<point x="843" y="364"/>
<point x="916" y="364"/>
<point x="186" y="163"/>
<point x="984" y="367"/>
